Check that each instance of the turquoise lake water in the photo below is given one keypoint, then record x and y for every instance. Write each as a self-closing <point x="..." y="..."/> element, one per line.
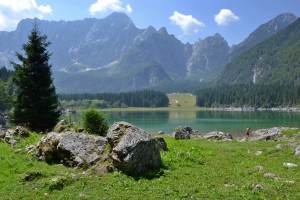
<point x="204" y="121"/>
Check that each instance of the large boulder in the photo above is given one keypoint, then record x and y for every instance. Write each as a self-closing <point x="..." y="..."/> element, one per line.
<point x="71" y="149"/>
<point x="133" y="151"/>
<point x="266" y="134"/>
<point x="216" y="135"/>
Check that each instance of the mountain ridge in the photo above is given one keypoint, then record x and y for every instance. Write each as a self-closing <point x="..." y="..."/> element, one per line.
<point x="112" y="54"/>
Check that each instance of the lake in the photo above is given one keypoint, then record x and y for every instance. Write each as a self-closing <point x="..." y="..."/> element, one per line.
<point x="204" y="121"/>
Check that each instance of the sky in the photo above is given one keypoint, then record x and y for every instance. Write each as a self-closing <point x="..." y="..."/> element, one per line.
<point x="188" y="20"/>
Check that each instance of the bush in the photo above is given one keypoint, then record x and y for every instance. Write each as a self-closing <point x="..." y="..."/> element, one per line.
<point x="95" y="122"/>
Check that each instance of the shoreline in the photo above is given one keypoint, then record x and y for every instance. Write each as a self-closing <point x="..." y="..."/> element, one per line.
<point x="253" y="109"/>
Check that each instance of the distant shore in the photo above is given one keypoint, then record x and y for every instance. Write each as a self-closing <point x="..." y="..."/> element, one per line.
<point x="253" y="109"/>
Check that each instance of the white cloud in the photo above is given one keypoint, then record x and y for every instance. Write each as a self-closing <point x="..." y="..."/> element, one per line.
<point x="187" y="23"/>
<point x="225" y="16"/>
<point x="12" y="11"/>
<point x="106" y="5"/>
<point x="128" y="8"/>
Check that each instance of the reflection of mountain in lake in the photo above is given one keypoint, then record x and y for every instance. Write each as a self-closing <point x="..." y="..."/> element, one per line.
<point x="182" y="115"/>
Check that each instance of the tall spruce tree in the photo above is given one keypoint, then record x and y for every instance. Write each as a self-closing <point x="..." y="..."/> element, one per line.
<point x="35" y="104"/>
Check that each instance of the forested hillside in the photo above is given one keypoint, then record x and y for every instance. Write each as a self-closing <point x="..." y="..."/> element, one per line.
<point x="145" y="98"/>
<point x="265" y="96"/>
<point x="274" y="61"/>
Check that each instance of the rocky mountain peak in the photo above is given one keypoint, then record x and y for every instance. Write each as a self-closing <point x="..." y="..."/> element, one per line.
<point x="262" y="33"/>
<point x="163" y="31"/>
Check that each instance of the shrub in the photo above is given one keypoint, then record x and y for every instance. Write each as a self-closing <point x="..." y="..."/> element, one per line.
<point x="95" y="122"/>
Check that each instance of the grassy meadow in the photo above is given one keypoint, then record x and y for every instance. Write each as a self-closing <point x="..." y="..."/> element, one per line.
<point x="193" y="169"/>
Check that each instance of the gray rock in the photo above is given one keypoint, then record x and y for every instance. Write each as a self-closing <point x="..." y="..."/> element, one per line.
<point x="215" y="135"/>
<point x="289" y="165"/>
<point x="9" y="137"/>
<point x="71" y="149"/>
<point x="21" y="131"/>
<point x="182" y="132"/>
<point x="30" y="148"/>
<point x="133" y="149"/>
<point x="161" y="143"/>
<point x="271" y="175"/>
<point x="161" y="132"/>
<point x="260" y="168"/>
<point x="257" y="187"/>
<point x="266" y="134"/>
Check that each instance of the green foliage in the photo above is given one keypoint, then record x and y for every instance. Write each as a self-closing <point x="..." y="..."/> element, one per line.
<point x="5" y="77"/>
<point x="35" y="104"/>
<point x="290" y="132"/>
<point x="95" y="122"/>
<point x="145" y="98"/>
<point x="265" y="96"/>
<point x="5" y="74"/>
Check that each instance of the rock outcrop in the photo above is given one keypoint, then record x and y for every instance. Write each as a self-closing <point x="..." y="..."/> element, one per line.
<point x="71" y="149"/>
<point x="133" y="150"/>
<point x="216" y="135"/>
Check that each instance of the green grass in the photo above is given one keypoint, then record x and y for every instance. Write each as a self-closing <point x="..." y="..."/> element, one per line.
<point x="193" y="169"/>
<point x="182" y="100"/>
<point x="290" y="132"/>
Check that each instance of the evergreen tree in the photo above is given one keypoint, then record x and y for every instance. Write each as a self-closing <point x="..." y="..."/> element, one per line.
<point x="35" y="104"/>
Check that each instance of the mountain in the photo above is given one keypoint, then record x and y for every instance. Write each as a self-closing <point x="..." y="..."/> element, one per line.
<point x="262" y="33"/>
<point x="274" y="61"/>
<point x="208" y="57"/>
<point x="112" y="54"/>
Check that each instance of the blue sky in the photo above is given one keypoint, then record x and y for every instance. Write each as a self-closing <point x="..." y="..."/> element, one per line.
<point x="188" y="20"/>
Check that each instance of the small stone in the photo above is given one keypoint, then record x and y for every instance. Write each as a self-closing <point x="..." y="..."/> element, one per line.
<point x="258" y="153"/>
<point x="260" y="168"/>
<point x="83" y="195"/>
<point x="30" y="148"/>
<point x="289" y="165"/>
<point x="291" y="182"/>
<point x="161" y="132"/>
<point x="257" y="187"/>
<point x="297" y="151"/>
<point x="268" y="174"/>
<point x="229" y="185"/>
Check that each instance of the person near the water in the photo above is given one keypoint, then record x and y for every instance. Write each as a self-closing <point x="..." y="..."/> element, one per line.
<point x="248" y="132"/>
